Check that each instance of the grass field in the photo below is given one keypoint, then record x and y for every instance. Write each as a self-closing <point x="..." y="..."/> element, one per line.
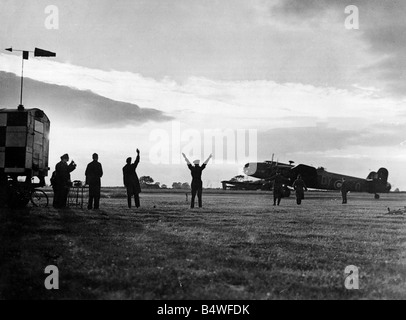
<point x="238" y="246"/>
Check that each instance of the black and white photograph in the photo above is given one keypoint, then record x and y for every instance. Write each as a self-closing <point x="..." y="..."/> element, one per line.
<point x="209" y="156"/>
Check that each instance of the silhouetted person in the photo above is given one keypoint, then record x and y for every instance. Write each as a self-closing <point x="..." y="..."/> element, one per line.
<point x="344" y="190"/>
<point x="131" y="181"/>
<point x="62" y="181"/>
<point x="94" y="172"/>
<point x="197" y="183"/>
<point x="278" y="182"/>
<point x="54" y="186"/>
<point x="300" y="187"/>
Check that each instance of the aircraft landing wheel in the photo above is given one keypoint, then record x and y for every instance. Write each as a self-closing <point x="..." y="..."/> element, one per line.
<point x="376" y="196"/>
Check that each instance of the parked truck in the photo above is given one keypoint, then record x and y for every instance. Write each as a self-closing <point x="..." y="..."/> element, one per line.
<point x="24" y="155"/>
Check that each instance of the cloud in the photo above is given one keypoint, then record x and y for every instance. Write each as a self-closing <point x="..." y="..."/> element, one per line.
<point x="208" y="103"/>
<point x="381" y="135"/>
<point x="77" y="107"/>
<point x="382" y="26"/>
<point x="156" y="38"/>
<point x="302" y="139"/>
<point x="323" y="138"/>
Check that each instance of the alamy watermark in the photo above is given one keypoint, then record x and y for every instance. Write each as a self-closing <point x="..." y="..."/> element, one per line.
<point x="352" y="21"/>
<point x="52" y="281"/>
<point x="228" y="146"/>
<point x="52" y="19"/>
<point x="352" y="277"/>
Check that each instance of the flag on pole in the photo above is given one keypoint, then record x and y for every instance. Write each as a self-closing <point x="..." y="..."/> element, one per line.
<point x="43" y="53"/>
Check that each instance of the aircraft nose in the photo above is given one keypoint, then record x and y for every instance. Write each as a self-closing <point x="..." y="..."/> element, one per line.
<point x="250" y="169"/>
<point x="246" y="168"/>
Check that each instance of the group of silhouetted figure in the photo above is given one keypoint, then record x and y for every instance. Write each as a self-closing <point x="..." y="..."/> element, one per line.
<point x="279" y="185"/>
<point x="61" y="181"/>
<point x="279" y="188"/>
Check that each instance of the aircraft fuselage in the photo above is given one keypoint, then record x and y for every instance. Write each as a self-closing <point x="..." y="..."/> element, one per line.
<point x="376" y="182"/>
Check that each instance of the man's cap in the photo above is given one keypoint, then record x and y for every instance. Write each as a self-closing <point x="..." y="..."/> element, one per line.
<point x="196" y="162"/>
<point x="65" y="156"/>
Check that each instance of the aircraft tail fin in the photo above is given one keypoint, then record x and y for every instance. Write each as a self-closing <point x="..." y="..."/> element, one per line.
<point x="381" y="175"/>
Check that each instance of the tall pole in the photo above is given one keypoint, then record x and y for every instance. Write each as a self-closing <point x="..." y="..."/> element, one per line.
<point x="37" y="53"/>
<point x="22" y="81"/>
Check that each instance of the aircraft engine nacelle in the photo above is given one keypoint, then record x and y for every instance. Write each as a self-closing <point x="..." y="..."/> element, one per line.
<point x="258" y="170"/>
<point x="308" y="173"/>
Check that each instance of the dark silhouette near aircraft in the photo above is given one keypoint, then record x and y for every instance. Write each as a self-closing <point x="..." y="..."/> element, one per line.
<point x="278" y="187"/>
<point x="197" y="183"/>
<point x="62" y="181"/>
<point x="300" y="187"/>
<point x="344" y="190"/>
<point x="131" y="181"/>
<point x="93" y="173"/>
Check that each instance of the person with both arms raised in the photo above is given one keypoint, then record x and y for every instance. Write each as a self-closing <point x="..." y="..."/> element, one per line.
<point x="197" y="183"/>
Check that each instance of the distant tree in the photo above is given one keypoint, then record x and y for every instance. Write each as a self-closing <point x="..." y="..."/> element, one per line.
<point x="185" y="185"/>
<point x="157" y="184"/>
<point x="164" y="186"/>
<point x="146" y="180"/>
<point x="176" y="185"/>
<point x="396" y="190"/>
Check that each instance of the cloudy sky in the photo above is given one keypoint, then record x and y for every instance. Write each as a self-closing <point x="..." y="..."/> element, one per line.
<point x="159" y="74"/>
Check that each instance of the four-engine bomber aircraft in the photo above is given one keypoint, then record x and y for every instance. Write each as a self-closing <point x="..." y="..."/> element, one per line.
<point x="376" y="182"/>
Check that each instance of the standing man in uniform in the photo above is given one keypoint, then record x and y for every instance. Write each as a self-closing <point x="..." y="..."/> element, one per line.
<point x="278" y="182"/>
<point x="300" y="187"/>
<point x="131" y="181"/>
<point x="62" y="181"/>
<point x="197" y="183"/>
<point x="344" y="190"/>
<point x="93" y="173"/>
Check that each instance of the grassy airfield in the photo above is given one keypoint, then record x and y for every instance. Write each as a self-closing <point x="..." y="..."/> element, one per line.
<point x="238" y="246"/>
